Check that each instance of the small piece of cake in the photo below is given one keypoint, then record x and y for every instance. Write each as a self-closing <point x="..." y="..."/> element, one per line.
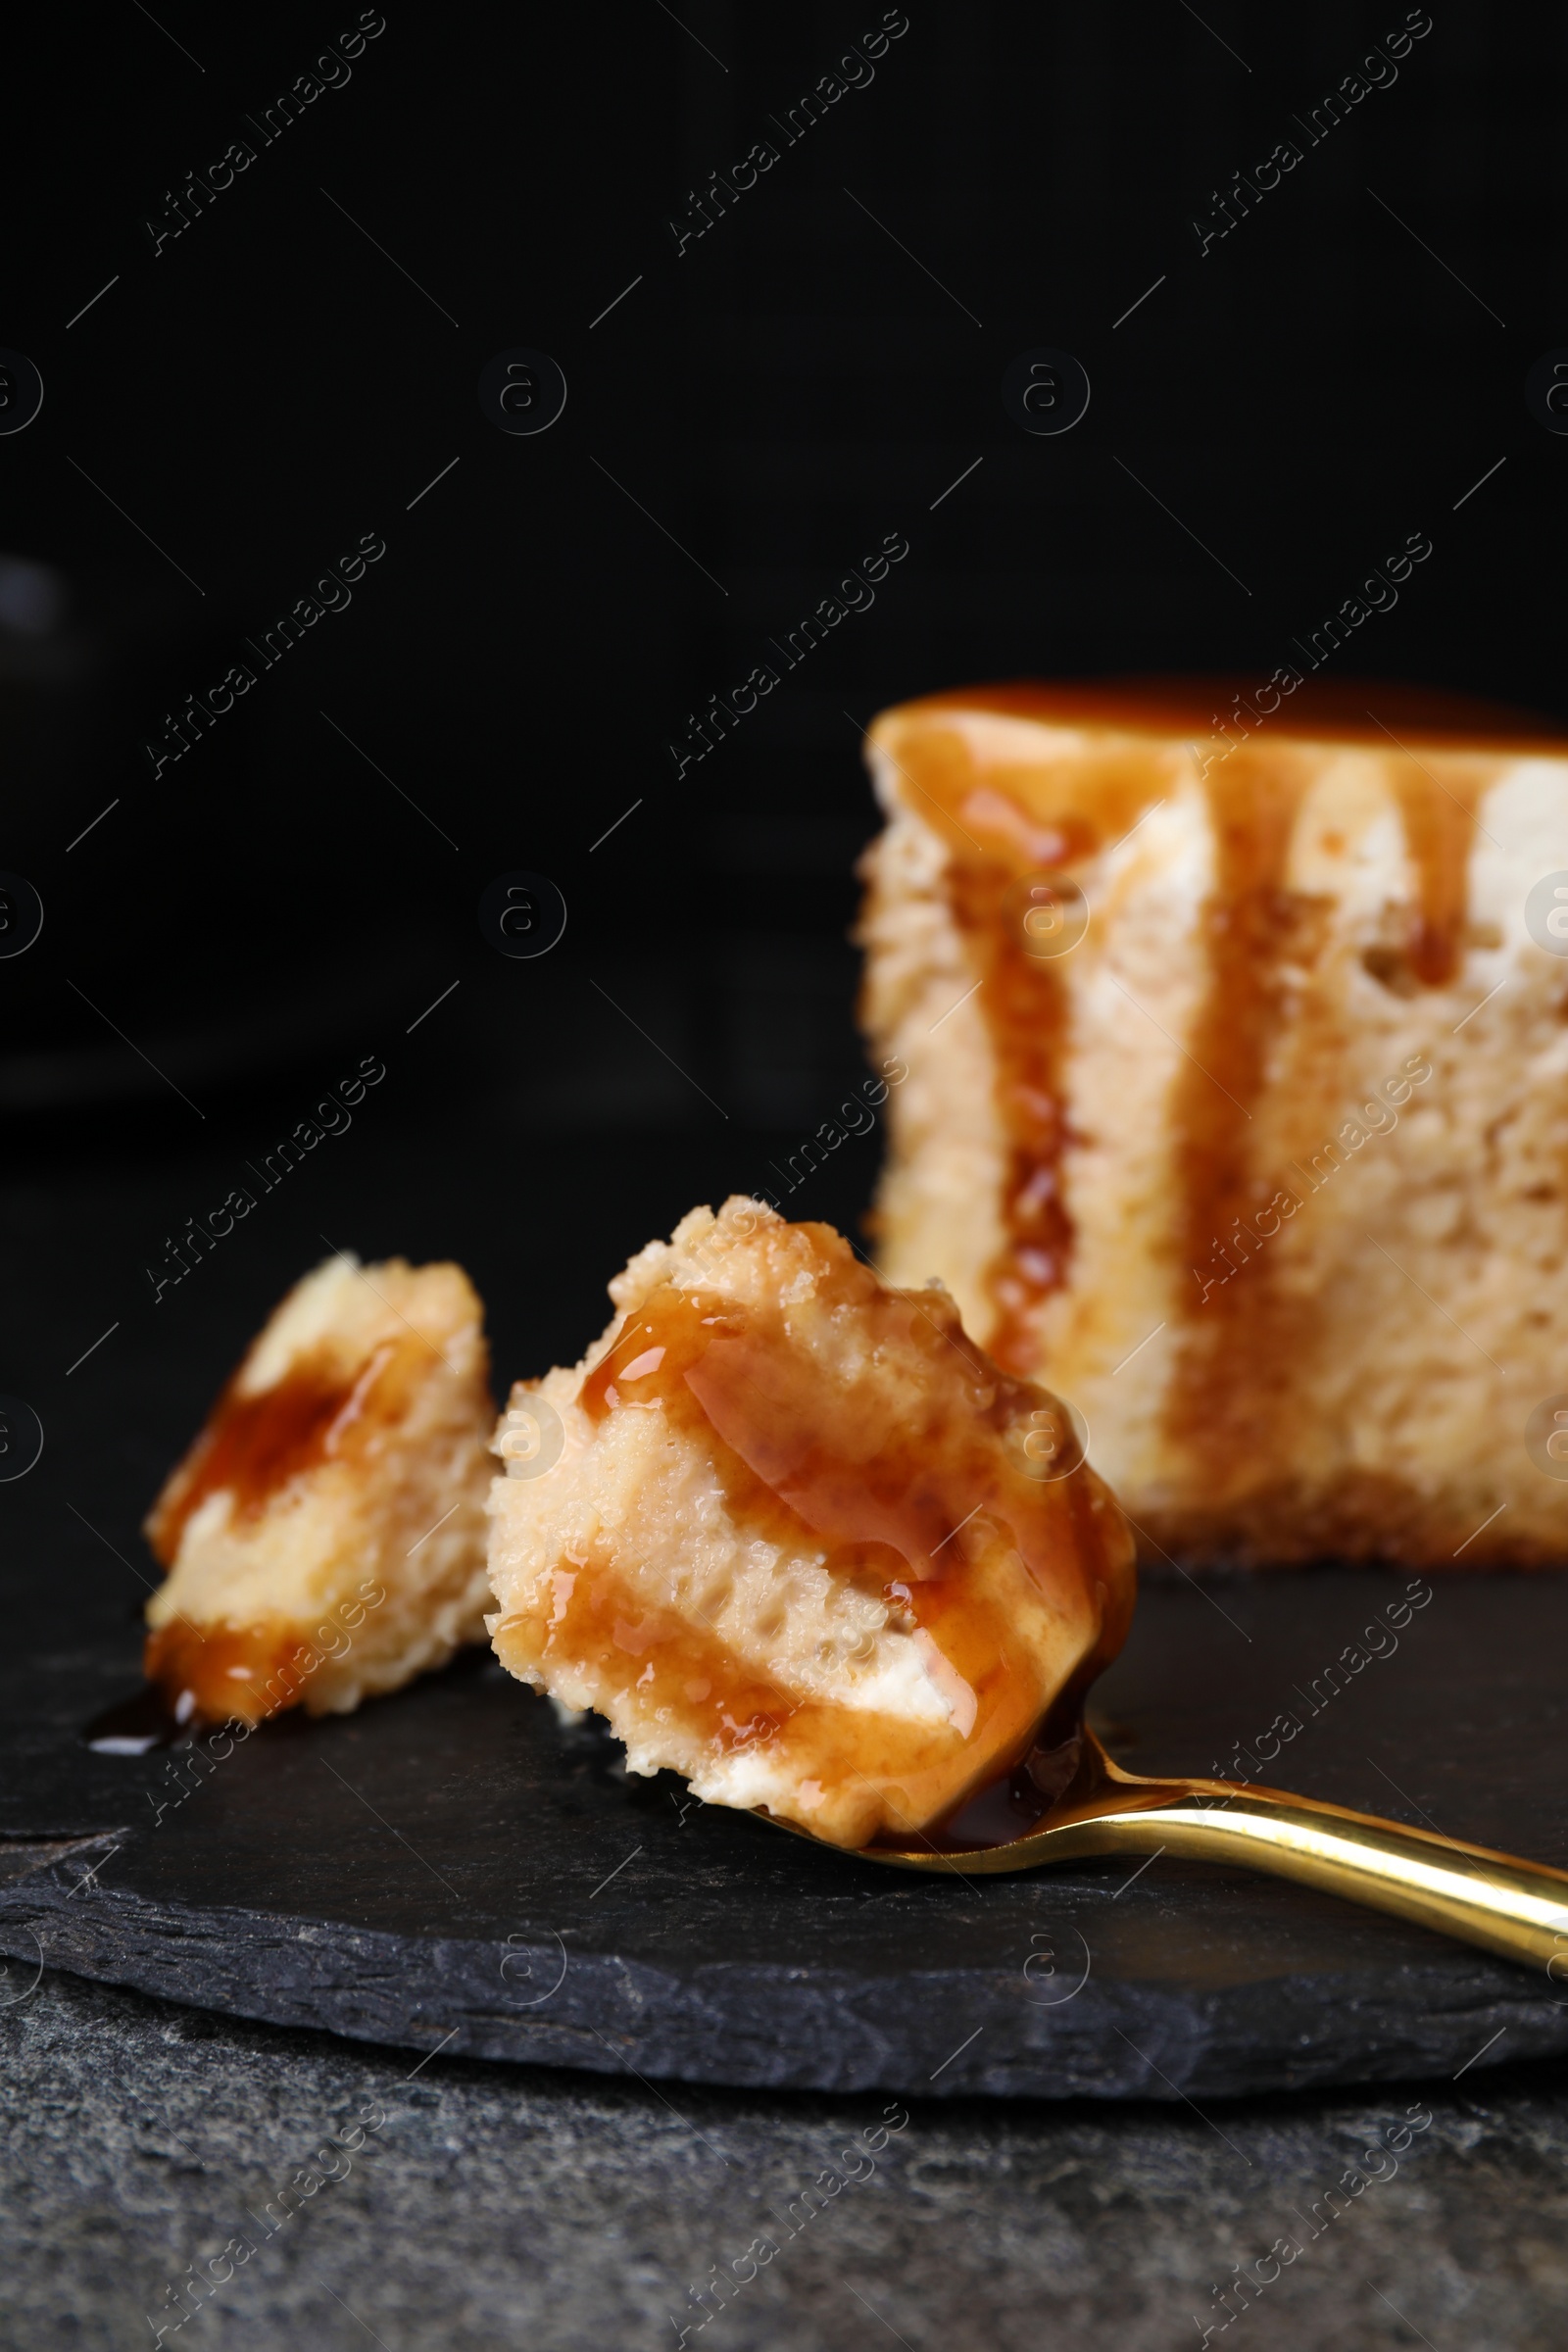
<point x="325" y="1536"/>
<point x="798" y="1539"/>
<point x="1237" y="1107"/>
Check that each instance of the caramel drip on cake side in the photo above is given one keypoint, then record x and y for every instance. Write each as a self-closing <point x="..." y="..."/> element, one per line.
<point x="1024" y="1004"/>
<point x="1005" y="826"/>
<point x="252" y="1444"/>
<point x="220" y="1673"/>
<point x="1241" y="1340"/>
<point x="1437" y="802"/>
<point x="1247" y="1344"/>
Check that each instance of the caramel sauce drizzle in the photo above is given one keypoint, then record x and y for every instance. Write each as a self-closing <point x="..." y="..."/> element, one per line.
<point x="252" y="1445"/>
<point x="996" y="836"/>
<point x="1025" y="1007"/>
<point x="1440" y="826"/>
<point x="219" y="1674"/>
<point x="1237" y="1355"/>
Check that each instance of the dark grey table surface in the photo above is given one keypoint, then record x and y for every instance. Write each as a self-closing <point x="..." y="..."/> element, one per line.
<point x="507" y="2206"/>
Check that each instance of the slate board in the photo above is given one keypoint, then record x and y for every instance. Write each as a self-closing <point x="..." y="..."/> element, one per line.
<point x="450" y="1867"/>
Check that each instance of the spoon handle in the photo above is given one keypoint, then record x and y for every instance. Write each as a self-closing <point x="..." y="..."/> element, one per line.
<point x="1505" y="1905"/>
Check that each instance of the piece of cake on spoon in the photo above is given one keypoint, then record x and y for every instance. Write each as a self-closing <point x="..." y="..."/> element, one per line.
<point x="798" y="1539"/>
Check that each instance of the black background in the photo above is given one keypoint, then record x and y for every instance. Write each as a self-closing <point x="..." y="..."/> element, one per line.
<point x="742" y="426"/>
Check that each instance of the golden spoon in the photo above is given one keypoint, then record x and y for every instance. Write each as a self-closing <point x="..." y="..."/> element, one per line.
<point x="1517" y="1908"/>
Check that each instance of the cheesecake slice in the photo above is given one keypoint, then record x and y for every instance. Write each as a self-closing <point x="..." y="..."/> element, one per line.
<point x="797" y="1538"/>
<point x="324" y="1534"/>
<point x="1236" y="1032"/>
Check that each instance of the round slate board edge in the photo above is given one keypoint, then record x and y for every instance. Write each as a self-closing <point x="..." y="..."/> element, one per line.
<point x="721" y="2023"/>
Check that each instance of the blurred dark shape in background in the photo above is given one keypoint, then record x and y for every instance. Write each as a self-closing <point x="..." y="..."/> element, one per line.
<point x="767" y="377"/>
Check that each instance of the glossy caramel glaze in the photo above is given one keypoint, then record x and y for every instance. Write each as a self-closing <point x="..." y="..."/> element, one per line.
<point x="1318" y="709"/>
<point x="254" y="1445"/>
<point x="1012" y="812"/>
<point x="903" y="1487"/>
<point x="223" y="1674"/>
